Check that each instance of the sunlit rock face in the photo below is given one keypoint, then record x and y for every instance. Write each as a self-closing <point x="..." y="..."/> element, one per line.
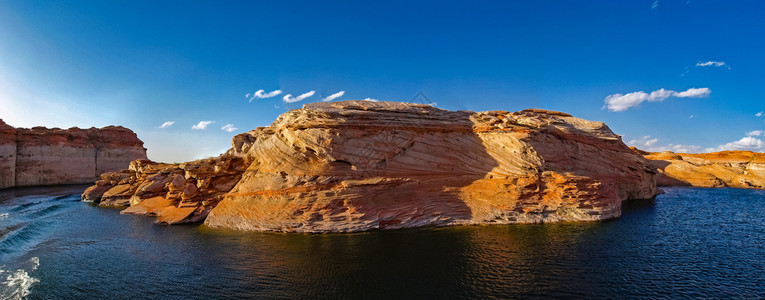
<point x="738" y="169"/>
<point x="43" y="156"/>
<point x="359" y="165"/>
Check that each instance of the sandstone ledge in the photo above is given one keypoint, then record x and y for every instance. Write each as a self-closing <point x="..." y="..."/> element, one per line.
<point x="359" y="165"/>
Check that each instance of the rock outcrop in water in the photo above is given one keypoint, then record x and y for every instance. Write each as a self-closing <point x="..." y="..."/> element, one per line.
<point x="175" y="193"/>
<point x="738" y="169"/>
<point x="359" y="165"/>
<point x="43" y="156"/>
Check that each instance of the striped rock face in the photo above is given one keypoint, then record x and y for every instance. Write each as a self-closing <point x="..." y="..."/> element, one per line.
<point x="359" y="165"/>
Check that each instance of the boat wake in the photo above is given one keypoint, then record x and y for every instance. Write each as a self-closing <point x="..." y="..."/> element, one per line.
<point x="16" y="284"/>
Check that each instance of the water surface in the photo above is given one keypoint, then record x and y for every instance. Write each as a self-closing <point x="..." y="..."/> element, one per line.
<point x="689" y="242"/>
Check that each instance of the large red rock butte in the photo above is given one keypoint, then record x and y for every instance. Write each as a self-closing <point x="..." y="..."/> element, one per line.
<point x="360" y="165"/>
<point x="51" y="156"/>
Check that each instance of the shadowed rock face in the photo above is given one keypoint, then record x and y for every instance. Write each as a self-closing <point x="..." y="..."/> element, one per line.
<point x="738" y="169"/>
<point x="43" y="156"/>
<point x="358" y="165"/>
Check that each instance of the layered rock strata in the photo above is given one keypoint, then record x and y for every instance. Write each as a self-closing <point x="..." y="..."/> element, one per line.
<point x="43" y="156"/>
<point x="738" y="169"/>
<point x="360" y="165"/>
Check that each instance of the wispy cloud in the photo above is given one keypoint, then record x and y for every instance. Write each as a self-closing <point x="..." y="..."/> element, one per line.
<point x="167" y="124"/>
<point x="370" y="99"/>
<point x="622" y="102"/>
<point x="759" y="114"/>
<point x="655" y="4"/>
<point x="711" y="63"/>
<point x="333" y="96"/>
<point x="289" y="99"/>
<point x="647" y="143"/>
<point x="229" y="128"/>
<point x="202" y="125"/>
<point x="261" y="94"/>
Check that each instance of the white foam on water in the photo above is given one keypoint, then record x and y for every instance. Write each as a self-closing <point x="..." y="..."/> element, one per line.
<point x="3" y="215"/>
<point x="18" y="283"/>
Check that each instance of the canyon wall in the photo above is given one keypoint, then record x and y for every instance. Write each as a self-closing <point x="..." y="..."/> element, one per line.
<point x="7" y="155"/>
<point x="360" y="165"/>
<point x="51" y="156"/>
<point x="737" y="169"/>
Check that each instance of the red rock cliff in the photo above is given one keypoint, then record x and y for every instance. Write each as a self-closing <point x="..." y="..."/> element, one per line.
<point x="43" y="156"/>
<point x="359" y="165"/>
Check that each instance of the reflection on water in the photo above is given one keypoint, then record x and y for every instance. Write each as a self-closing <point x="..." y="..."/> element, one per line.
<point x="688" y="242"/>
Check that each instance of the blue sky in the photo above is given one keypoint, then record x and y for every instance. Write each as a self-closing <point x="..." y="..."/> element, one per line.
<point x="141" y="64"/>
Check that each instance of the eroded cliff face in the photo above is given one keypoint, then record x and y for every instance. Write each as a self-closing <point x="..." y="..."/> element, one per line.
<point x="7" y="155"/>
<point x="43" y="156"/>
<point x="359" y="165"/>
<point x="738" y="169"/>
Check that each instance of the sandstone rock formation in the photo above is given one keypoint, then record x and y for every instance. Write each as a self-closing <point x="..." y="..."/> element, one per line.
<point x="738" y="169"/>
<point x="175" y="193"/>
<point x="360" y="165"/>
<point x="43" y="156"/>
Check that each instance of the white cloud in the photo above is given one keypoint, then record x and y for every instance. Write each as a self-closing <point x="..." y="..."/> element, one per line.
<point x="693" y="93"/>
<point x="655" y="4"/>
<point x="202" y="125"/>
<point x="622" y="102"/>
<point x="261" y="94"/>
<point x="755" y="133"/>
<point x="677" y="148"/>
<point x="746" y="143"/>
<point x="370" y="99"/>
<point x="167" y="124"/>
<point x="759" y="114"/>
<point x="647" y="143"/>
<point x="333" y="96"/>
<point x="229" y="128"/>
<point x="288" y="98"/>
<point x="644" y="142"/>
<point x="711" y="64"/>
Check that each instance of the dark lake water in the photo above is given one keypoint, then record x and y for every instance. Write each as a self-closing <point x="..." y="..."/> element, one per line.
<point x="689" y="242"/>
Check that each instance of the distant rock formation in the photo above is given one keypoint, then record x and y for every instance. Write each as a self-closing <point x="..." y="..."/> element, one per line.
<point x="359" y="165"/>
<point x="738" y="169"/>
<point x="43" y="156"/>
